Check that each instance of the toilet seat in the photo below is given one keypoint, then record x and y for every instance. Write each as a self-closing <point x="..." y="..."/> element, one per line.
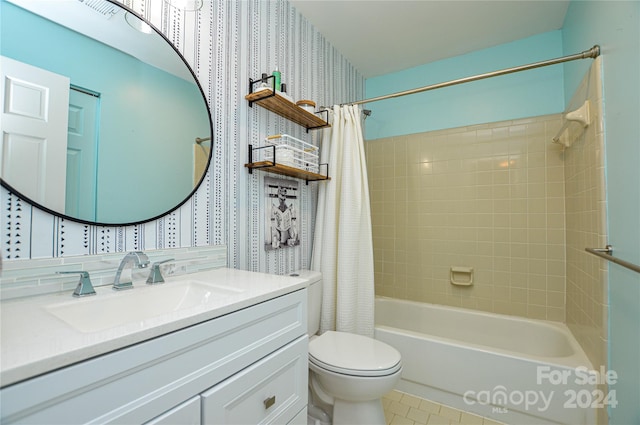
<point x="352" y="354"/>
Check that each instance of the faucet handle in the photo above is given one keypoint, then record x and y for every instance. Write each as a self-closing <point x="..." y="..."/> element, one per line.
<point x="155" y="276"/>
<point x="84" y="287"/>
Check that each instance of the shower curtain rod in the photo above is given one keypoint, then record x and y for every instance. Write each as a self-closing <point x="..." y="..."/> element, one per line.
<point x="594" y="52"/>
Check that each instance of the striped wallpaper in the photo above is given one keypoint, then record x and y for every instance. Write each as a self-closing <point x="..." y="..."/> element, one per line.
<point x="226" y="43"/>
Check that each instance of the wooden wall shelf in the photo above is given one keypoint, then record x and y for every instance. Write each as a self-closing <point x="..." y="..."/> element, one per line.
<point x="285" y="170"/>
<point x="285" y="108"/>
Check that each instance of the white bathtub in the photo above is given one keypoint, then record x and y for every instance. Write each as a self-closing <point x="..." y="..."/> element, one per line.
<point x="515" y="370"/>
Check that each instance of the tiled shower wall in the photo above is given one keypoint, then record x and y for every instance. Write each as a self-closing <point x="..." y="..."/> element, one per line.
<point x="587" y="283"/>
<point x="490" y="197"/>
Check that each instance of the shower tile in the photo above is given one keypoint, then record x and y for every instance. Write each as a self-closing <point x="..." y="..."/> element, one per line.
<point x="555" y="190"/>
<point x="537" y="251"/>
<point x="519" y="265"/>
<point x="481" y="291"/>
<point x="555" y="299"/>
<point x="555" y="174"/>
<point x="537" y="297"/>
<point x="518" y="190"/>
<point x="537" y="281"/>
<point x="518" y="250"/>
<point x="556" y="283"/>
<point x="536" y="205"/>
<point x="555" y="221"/>
<point x="536" y="175"/>
<point x="519" y="295"/>
<point x="481" y="199"/>
<point x="556" y="314"/>
<point x="519" y="205"/>
<point x="556" y="268"/>
<point x="501" y="293"/>
<point x="555" y="205"/>
<point x="536" y="312"/>
<point x="537" y="190"/>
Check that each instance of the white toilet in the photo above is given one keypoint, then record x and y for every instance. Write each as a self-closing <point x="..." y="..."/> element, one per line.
<point x="349" y="373"/>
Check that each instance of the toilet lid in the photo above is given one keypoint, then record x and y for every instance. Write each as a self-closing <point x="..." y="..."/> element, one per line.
<point x="352" y="354"/>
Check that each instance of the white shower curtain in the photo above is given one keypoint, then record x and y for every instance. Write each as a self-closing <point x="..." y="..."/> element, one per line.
<point x="342" y="245"/>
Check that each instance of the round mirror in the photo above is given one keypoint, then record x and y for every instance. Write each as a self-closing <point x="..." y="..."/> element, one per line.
<point x="103" y="121"/>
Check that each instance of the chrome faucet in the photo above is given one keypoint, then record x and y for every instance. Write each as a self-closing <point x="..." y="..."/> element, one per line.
<point x="138" y="259"/>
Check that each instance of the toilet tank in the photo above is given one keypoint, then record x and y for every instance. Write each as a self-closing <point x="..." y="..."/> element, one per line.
<point x="314" y="299"/>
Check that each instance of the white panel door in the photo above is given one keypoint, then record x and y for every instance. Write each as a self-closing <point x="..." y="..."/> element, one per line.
<point x="33" y="154"/>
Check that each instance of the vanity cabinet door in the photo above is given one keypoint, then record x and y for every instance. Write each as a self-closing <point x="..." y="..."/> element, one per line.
<point x="187" y="413"/>
<point x="271" y="391"/>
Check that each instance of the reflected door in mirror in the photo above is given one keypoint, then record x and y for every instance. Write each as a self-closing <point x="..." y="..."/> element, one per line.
<point x="34" y="131"/>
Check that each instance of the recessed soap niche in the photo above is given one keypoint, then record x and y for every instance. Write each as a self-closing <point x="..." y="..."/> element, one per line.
<point x="461" y="276"/>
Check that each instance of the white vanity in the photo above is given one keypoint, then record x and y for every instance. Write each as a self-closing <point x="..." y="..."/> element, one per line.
<point x="239" y="356"/>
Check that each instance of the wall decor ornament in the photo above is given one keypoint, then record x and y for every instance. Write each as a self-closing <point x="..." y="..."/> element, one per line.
<point x="283" y="207"/>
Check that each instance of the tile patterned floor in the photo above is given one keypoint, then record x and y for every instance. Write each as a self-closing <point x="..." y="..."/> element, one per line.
<point x="404" y="409"/>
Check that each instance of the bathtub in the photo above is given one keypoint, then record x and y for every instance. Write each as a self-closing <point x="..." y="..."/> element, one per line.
<point x="515" y="370"/>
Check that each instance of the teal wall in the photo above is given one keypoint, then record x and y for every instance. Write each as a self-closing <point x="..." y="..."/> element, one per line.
<point x="615" y="26"/>
<point x="133" y="95"/>
<point x="524" y="94"/>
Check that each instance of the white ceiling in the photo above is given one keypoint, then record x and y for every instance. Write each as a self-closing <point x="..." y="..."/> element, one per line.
<point x="106" y="23"/>
<point x="383" y="36"/>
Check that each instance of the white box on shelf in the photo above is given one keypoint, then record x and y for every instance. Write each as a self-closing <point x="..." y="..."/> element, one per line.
<point x="292" y="152"/>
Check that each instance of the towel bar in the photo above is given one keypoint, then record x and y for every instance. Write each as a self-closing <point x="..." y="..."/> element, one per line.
<point x="607" y="254"/>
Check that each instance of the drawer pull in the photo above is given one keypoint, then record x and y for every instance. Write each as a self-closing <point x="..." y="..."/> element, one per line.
<point x="269" y="402"/>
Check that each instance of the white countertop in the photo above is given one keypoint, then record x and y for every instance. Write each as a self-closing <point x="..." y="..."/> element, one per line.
<point x="33" y="341"/>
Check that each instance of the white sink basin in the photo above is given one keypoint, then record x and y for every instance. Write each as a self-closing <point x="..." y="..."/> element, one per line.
<point x="109" y="310"/>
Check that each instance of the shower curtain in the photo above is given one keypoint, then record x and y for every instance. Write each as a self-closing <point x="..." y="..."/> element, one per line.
<point x="342" y="245"/>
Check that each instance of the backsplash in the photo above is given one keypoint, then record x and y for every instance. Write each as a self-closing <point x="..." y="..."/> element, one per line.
<point x="226" y="43"/>
<point x="490" y="197"/>
<point x="22" y="278"/>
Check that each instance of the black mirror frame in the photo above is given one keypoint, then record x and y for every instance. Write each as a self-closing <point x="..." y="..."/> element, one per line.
<point x="172" y="209"/>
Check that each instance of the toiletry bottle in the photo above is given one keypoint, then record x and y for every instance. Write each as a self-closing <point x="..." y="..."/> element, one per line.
<point x="276" y="74"/>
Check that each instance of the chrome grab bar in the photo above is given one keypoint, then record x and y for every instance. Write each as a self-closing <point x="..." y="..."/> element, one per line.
<point x="607" y="254"/>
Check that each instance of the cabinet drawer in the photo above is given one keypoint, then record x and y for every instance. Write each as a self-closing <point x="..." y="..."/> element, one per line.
<point x="273" y="390"/>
